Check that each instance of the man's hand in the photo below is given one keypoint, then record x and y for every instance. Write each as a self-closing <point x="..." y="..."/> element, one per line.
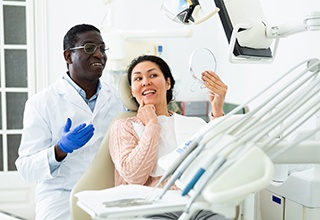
<point x="76" y="138"/>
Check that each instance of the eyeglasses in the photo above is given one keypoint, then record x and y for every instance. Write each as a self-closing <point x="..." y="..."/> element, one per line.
<point x="90" y="48"/>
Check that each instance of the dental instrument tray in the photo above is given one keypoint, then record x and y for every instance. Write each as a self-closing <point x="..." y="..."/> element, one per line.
<point x="128" y="201"/>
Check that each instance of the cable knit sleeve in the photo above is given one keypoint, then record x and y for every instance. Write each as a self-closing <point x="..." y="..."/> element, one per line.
<point x="134" y="159"/>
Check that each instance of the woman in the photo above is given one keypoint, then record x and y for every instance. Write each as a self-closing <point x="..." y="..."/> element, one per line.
<point x="138" y="142"/>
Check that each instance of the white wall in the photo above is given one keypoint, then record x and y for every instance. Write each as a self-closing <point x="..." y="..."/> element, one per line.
<point x="244" y="80"/>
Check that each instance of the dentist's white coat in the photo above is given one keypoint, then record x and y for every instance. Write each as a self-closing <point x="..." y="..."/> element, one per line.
<point x="44" y="118"/>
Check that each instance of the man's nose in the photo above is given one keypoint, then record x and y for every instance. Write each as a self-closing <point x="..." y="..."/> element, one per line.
<point x="100" y="53"/>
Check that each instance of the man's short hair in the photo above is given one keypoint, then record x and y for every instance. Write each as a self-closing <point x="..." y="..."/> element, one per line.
<point x="71" y="38"/>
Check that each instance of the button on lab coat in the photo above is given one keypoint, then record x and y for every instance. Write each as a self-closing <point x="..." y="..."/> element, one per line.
<point x="45" y="116"/>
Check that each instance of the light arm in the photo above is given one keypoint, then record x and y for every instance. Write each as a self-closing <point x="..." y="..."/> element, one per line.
<point x="310" y="23"/>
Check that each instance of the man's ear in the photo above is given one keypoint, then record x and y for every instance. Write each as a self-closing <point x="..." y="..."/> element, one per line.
<point x="67" y="56"/>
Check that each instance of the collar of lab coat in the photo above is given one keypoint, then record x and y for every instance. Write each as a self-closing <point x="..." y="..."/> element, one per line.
<point x="71" y="95"/>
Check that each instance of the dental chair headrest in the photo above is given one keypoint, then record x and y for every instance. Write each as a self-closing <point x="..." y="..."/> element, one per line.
<point x="125" y="94"/>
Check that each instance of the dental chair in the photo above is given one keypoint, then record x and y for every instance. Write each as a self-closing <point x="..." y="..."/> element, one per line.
<point x="100" y="174"/>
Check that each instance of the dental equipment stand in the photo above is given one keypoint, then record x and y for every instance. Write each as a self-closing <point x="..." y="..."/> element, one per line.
<point x="295" y="196"/>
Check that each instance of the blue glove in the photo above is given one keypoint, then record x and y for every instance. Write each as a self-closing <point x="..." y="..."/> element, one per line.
<point x="76" y="138"/>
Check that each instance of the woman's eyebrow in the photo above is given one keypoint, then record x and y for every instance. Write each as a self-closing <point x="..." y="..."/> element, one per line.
<point x="139" y="72"/>
<point x="149" y="70"/>
<point x="136" y="72"/>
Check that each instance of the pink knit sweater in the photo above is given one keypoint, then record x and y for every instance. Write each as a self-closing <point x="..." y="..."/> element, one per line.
<point x="134" y="158"/>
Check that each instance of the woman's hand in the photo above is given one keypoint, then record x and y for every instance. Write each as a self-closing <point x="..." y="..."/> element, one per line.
<point x="147" y="113"/>
<point x="217" y="92"/>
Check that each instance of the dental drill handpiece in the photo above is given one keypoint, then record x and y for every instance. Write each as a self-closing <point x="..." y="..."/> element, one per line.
<point x="196" y="177"/>
<point x="187" y="149"/>
<point x="210" y="173"/>
<point x="181" y="168"/>
<point x="191" y="152"/>
<point x="216" y="147"/>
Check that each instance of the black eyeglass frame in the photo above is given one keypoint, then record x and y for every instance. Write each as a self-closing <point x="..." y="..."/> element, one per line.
<point x="102" y="50"/>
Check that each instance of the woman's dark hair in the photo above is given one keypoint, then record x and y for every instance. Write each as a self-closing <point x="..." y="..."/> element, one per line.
<point x="165" y="69"/>
<point x="71" y="38"/>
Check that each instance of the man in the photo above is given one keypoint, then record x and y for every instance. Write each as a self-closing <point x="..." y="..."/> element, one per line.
<point x="65" y="123"/>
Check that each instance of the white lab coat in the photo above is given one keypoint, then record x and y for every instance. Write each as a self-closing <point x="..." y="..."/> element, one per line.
<point x="45" y="116"/>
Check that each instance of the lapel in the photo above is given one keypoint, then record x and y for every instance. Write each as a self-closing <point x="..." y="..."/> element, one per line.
<point x="103" y="99"/>
<point x="70" y="94"/>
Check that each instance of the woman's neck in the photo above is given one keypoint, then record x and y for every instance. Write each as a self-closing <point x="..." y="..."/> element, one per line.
<point x="162" y="111"/>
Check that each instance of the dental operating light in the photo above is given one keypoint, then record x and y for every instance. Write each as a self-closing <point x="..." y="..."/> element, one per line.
<point x="250" y="38"/>
<point x="186" y="11"/>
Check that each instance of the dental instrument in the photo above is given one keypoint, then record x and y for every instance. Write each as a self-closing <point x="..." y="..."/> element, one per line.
<point x="181" y="168"/>
<point x="188" y="147"/>
<point x="184" y="160"/>
<point x="208" y="161"/>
